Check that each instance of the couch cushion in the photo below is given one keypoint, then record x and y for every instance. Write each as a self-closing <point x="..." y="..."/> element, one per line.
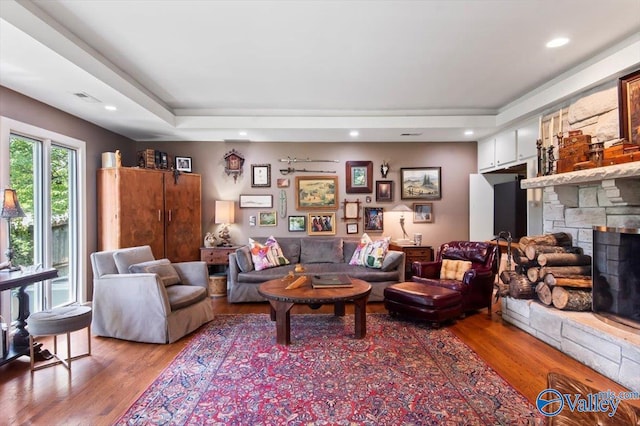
<point x="454" y="269"/>
<point x="268" y="255"/>
<point x="370" y="253"/>
<point x="166" y="272"/>
<point x="243" y="259"/>
<point x="392" y="260"/>
<point x="181" y="296"/>
<point x="321" y="250"/>
<point x="127" y="257"/>
<point x="477" y="252"/>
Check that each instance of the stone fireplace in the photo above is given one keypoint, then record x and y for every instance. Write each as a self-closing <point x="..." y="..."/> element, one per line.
<point x="574" y="203"/>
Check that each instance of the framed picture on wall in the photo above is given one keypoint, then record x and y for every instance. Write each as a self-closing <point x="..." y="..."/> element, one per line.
<point x="384" y="191"/>
<point x="248" y="201"/>
<point x="316" y="192"/>
<point x="359" y="177"/>
<point x="352" y="228"/>
<point x="183" y="164"/>
<point x="629" y="107"/>
<point x="269" y="218"/>
<point x="422" y="212"/>
<point x="321" y="224"/>
<point x="374" y="219"/>
<point x="260" y="175"/>
<point x="297" y="223"/>
<point x="420" y="183"/>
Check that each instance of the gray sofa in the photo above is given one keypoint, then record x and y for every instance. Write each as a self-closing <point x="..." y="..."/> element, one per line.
<point x="318" y="256"/>
<point x="138" y="298"/>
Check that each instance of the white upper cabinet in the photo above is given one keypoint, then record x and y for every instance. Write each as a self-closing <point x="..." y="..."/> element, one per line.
<point x="486" y="154"/>
<point x="526" y="136"/>
<point x="505" y="148"/>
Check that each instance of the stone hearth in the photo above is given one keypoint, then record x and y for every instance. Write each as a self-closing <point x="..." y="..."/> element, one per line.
<point x="574" y="203"/>
<point x="608" y="349"/>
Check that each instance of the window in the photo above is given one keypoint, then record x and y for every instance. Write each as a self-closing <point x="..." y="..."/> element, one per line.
<point x="47" y="171"/>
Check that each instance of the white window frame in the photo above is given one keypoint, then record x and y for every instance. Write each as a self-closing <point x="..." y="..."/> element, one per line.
<point x="9" y="126"/>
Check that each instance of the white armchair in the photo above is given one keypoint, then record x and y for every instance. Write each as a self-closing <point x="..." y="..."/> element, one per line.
<point x="136" y="297"/>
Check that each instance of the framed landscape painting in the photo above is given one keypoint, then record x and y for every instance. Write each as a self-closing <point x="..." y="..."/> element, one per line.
<point x="316" y="192"/>
<point x="420" y="183"/>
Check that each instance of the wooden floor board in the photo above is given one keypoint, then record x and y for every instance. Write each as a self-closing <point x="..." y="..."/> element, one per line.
<point x="104" y="385"/>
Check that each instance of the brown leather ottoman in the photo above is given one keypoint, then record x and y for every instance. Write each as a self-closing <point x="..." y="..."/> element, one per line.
<point x="423" y="301"/>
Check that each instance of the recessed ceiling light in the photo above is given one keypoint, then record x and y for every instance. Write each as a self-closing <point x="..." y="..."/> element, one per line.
<point x="468" y="132"/>
<point x="110" y="108"/>
<point x="354" y="133"/>
<point x="242" y="133"/>
<point x="557" y="42"/>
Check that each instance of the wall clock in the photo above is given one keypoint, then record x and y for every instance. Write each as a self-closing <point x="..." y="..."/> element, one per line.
<point x="234" y="162"/>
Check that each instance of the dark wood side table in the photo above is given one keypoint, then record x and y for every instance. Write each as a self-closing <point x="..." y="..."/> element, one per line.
<point x="412" y="253"/>
<point x="217" y="260"/>
<point x="19" y="279"/>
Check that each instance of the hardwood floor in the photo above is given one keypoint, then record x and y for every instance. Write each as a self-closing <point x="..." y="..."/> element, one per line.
<point x="104" y="385"/>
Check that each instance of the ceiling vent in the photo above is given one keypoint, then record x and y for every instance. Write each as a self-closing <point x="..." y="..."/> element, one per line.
<point x="410" y="134"/>
<point x="87" y="98"/>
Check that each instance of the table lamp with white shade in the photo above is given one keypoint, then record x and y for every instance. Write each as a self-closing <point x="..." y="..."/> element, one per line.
<point x="402" y="208"/>
<point x="225" y="215"/>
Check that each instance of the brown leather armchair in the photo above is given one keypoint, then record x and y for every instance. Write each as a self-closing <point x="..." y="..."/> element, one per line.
<point x="476" y="286"/>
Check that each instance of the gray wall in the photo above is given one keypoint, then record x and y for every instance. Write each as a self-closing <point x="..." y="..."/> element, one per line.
<point x="457" y="161"/>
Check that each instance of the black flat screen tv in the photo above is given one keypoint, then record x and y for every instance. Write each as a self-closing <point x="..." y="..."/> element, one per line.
<point x="510" y="209"/>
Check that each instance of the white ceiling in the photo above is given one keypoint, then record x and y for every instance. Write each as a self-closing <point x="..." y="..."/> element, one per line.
<point x="307" y="70"/>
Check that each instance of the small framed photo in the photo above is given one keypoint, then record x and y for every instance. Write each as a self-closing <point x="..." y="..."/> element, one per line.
<point x="297" y="223"/>
<point x="283" y="182"/>
<point x="352" y="209"/>
<point x="384" y="191"/>
<point x="255" y="201"/>
<point x="374" y="219"/>
<point x="183" y="164"/>
<point x="261" y="175"/>
<point x="359" y="177"/>
<point x="267" y="218"/>
<point x="321" y="223"/>
<point x="352" y="228"/>
<point x="422" y="212"/>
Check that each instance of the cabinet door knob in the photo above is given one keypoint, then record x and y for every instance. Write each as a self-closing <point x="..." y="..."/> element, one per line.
<point x="159" y="215"/>
<point x="169" y="215"/>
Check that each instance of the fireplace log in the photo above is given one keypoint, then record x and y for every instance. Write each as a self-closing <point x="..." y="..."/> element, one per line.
<point x="569" y="299"/>
<point x="533" y="274"/>
<point x="502" y="288"/>
<point x="563" y="259"/>
<point x="523" y="261"/>
<point x="566" y="271"/>
<point x="533" y="250"/>
<point x="544" y="293"/>
<point x="557" y="239"/>
<point x="521" y="288"/>
<point x="577" y="281"/>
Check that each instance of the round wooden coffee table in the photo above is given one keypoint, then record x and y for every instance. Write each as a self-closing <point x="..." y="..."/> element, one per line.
<point x="282" y="300"/>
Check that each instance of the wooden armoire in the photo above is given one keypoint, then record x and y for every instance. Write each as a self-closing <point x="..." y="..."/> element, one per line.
<point x="150" y="207"/>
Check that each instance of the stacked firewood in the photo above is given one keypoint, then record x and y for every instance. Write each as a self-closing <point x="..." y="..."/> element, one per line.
<point x="550" y="268"/>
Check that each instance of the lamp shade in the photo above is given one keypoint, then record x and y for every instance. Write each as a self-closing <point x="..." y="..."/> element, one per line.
<point x="401" y="208"/>
<point x="224" y="212"/>
<point x="10" y="205"/>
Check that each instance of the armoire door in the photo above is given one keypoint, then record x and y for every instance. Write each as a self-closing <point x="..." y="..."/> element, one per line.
<point x="141" y="209"/>
<point x="183" y="217"/>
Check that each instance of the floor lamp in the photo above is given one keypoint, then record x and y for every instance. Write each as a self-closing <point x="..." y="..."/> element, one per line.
<point x="10" y="209"/>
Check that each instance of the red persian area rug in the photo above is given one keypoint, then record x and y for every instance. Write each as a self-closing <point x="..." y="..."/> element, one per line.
<point x="233" y="372"/>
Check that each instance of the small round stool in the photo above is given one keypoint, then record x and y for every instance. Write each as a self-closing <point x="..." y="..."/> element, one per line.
<point x="56" y="321"/>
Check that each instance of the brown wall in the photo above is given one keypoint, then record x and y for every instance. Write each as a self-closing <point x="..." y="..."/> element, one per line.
<point x="457" y="161"/>
<point x="27" y="110"/>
